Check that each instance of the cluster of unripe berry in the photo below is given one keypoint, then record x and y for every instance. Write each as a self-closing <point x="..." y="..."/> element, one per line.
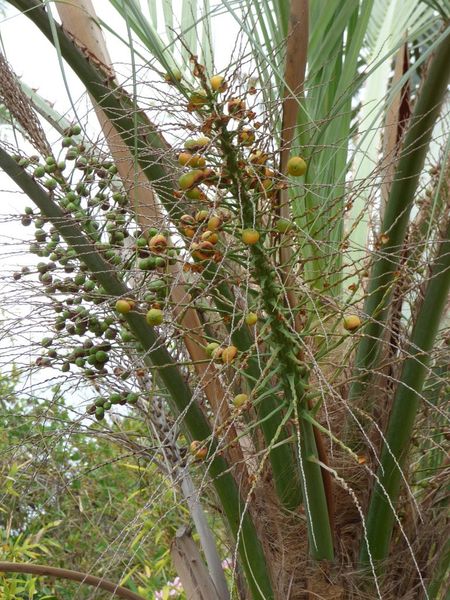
<point x="93" y="196"/>
<point x="101" y="405"/>
<point x="89" y="192"/>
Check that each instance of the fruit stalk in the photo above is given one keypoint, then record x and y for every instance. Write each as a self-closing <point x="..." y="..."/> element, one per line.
<point x="292" y="379"/>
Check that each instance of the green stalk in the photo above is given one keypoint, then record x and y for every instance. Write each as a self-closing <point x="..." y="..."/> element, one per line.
<point x="398" y="208"/>
<point x="318" y="204"/>
<point x="284" y="468"/>
<point x="292" y="378"/>
<point x="381" y="517"/>
<point x="315" y="501"/>
<point x="156" y="355"/>
<point x="281" y="457"/>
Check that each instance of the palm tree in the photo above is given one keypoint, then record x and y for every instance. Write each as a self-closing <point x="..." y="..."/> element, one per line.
<point x="259" y="265"/>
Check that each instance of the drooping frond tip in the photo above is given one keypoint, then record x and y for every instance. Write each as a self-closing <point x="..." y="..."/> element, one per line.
<point x="20" y="107"/>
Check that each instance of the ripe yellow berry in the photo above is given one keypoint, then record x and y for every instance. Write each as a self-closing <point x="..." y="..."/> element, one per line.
<point x="188" y="232"/>
<point x="124" y="306"/>
<point x="158" y="243"/>
<point x="155" y="316"/>
<point x="229" y="354"/>
<point x="240" y="400"/>
<point x="187" y="180"/>
<point x="251" y="319"/>
<point x="214" y="223"/>
<point x="250" y="237"/>
<point x="296" y="166"/>
<point x="210" y="236"/>
<point x="184" y="158"/>
<point x="202" y="142"/>
<point x="218" y="83"/>
<point x="198" y="161"/>
<point x="198" y="450"/>
<point x="351" y="322"/>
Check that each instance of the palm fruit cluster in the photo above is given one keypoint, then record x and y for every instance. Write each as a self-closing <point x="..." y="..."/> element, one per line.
<point x="224" y="160"/>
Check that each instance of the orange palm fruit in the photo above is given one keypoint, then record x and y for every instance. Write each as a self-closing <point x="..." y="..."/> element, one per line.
<point x="184" y="158"/>
<point x="250" y="236"/>
<point x="214" y="223"/>
<point x="158" y="243"/>
<point x="210" y="236"/>
<point x="218" y="83"/>
<point x="124" y="305"/>
<point x="229" y="354"/>
<point x="200" y="452"/>
<point x="296" y="166"/>
<point x="351" y="322"/>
